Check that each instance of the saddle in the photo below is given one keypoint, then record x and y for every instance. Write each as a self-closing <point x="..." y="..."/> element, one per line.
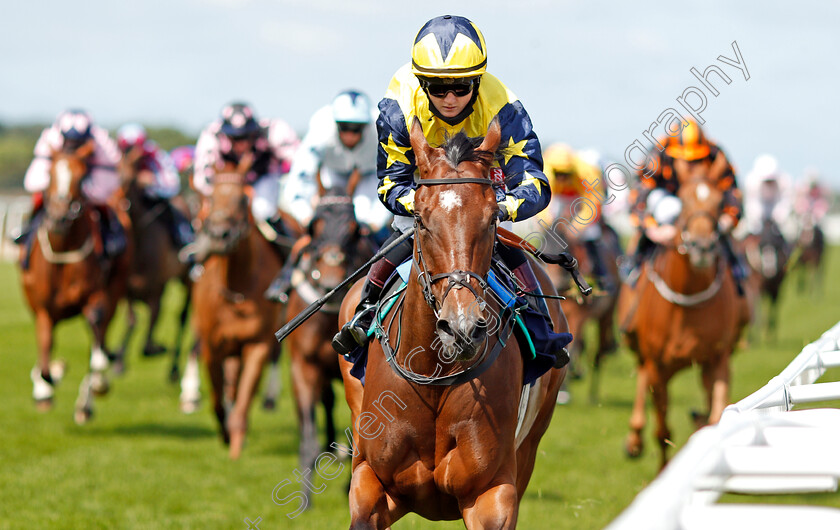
<point x="539" y="345"/>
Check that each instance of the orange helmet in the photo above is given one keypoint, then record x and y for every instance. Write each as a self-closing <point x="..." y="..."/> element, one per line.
<point x="689" y="144"/>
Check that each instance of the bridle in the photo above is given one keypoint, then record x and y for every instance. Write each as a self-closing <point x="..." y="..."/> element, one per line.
<point x="457" y="278"/>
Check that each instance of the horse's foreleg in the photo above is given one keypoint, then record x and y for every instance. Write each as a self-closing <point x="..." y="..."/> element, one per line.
<point x="175" y="371"/>
<point x="371" y="508"/>
<point x="131" y="322"/>
<point x="659" y="393"/>
<point x="328" y="399"/>
<point x="497" y="507"/>
<point x="150" y="348"/>
<point x="254" y="357"/>
<point x="306" y="383"/>
<point x="215" y="371"/>
<point x="719" y="389"/>
<point x="635" y="444"/>
<point x="272" y="387"/>
<point x="191" y="383"/>
<point x="98" y="320"/>
<point x="42" y="380"/>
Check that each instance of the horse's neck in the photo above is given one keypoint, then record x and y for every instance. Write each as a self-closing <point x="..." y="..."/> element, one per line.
<point x="676" y="270"/>
<point x="76" y="235"/>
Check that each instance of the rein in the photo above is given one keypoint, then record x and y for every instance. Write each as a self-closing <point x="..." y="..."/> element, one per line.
<point x="63" y="258"/>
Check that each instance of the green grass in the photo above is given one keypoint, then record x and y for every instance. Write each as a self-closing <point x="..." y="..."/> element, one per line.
<point x="142" y="464"/>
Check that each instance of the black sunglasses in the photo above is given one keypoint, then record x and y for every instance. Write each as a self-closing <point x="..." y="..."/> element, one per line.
<point x="440" y="90"/>
<point x="350" y="127"/>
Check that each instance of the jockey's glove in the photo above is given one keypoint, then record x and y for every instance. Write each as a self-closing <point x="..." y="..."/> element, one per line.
<point x="502" y="214"/>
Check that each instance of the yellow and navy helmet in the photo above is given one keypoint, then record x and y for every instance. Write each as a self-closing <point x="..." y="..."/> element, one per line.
<point x="689" y="144"/>
<point x="449" y="46"/>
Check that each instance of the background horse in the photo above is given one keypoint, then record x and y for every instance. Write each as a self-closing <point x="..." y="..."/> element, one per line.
<point x="767" y="254"/>
<point x="234" y="323"/>
<point x="155" y="261"/>
<point x="337" y="248"/>
<point x="683" y="311"/>
<point x="447" y="452"/>
<point x="809" y="250"/>
<point x="68" y="275"/>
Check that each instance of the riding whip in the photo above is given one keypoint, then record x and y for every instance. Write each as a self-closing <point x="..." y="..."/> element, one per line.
<point x="313" y="308"/>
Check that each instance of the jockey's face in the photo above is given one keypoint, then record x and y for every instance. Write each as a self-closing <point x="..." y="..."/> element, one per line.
<point x="450" y="105"/>
<point x="350" y="134"/>
<point x="242" y="145"/>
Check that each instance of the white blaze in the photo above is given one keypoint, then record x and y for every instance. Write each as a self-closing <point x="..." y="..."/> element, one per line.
<point x="63" y="177"/>
<point x="703" y="191"/>
<point x="449" y="199"/>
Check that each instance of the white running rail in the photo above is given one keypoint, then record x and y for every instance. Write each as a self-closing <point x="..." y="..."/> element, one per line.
<point x="760" y="446"/>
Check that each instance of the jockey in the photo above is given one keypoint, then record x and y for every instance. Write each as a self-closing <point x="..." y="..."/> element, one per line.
<point x="813" y="200"/>
<point x="768" y="196"/>
<point x="71" y="130"/>
<point x="338" y="151"/>
<point x="237" y="135"/>
<point x="447" y="88"/>
<point x="655" y="206"/>
<point x="572" y="179"/>
<point x="159" y="176"/>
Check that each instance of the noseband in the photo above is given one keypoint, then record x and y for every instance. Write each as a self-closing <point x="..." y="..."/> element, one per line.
<point x="457" y="278"/>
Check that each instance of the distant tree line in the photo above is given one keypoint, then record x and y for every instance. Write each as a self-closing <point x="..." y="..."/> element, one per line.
<point x="18" y="141"/>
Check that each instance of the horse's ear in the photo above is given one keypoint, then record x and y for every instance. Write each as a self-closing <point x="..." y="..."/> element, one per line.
<point x="493" y="138"/>
<point x="718" y="167"/>
<point x="681" y="168"/>
<point x="418" y="143"/>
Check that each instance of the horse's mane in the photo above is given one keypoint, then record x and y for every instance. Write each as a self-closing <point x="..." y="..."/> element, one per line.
<point x="462" y="148"/>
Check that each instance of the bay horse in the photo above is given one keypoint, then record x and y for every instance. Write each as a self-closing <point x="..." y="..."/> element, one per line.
<point x="68" y="275"/>
<point x="767" y="254"/>
<point x="338" y="246"/>
<point x="234" y="324"/>
<point x="155" y="259"/>
<point x="809" y="251"/>
<point x="684" y="309"/>
<point x="447" y="452"/>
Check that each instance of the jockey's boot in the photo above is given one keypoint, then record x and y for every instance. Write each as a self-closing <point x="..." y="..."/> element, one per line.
<point x="27" y="236"/>
<point x="354" y="333"/>
<point x="599" y="268"/>
<point x="280" y="286"/>
<point x="739" y="271"/>
<point x="179" y="227"/>
<point x="114" y="238"/>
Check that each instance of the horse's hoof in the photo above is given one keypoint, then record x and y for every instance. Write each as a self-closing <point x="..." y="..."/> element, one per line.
<point x="44" y="405"/>
<point x="99" y="384"/>
<point x="83" y="415"/>
<point x="700" y="419"/>
<point x="153" y="350"/>
<point x="269" y="404"/>
<point x="174" y="375"/>
<point x="633" y="449"/>
<point x="118" y="367"/>
<point x="189" y="406"/>
<point x="57" y="370"/>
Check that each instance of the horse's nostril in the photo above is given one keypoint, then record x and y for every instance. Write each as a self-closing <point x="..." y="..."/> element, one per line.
<point x="444" y="327"/>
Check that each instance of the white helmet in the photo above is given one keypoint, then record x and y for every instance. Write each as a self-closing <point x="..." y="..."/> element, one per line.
<point x="351" y="106"/>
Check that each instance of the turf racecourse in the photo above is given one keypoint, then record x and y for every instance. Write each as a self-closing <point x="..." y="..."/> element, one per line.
<point x="142" y="464"/>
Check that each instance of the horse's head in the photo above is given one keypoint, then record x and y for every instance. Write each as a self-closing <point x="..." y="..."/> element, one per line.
<point x="702" y="204"/>
<point x="335" y="234"/>
<point x="455" y="212"/>
<point x="228" y="212"/>
<point x="64" y="198"/>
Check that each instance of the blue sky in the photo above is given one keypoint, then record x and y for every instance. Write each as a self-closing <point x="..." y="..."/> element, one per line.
<point x="593" y="74"/>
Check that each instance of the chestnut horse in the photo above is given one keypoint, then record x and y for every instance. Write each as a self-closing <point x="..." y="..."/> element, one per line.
<point x="684" y="309"/>
<point x="456" y="451"/>
<point x="156" y="259"/>
<point x="68" y="275"/>
<point x="337" y="248"/>
<point x="234" y="323"/>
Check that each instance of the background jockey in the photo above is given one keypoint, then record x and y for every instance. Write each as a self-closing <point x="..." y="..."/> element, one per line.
<point x="768" y="196"/>
<point x="447" y="88"/>
<point x="571" y="179"/>
<point x="158" y="177"/>
<point x="655" y="206"/>
<point x="270" y="144"/>
<point x="71" y="130"/>
<point x="813" y="200"/>
<point x="338" y="151"/>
